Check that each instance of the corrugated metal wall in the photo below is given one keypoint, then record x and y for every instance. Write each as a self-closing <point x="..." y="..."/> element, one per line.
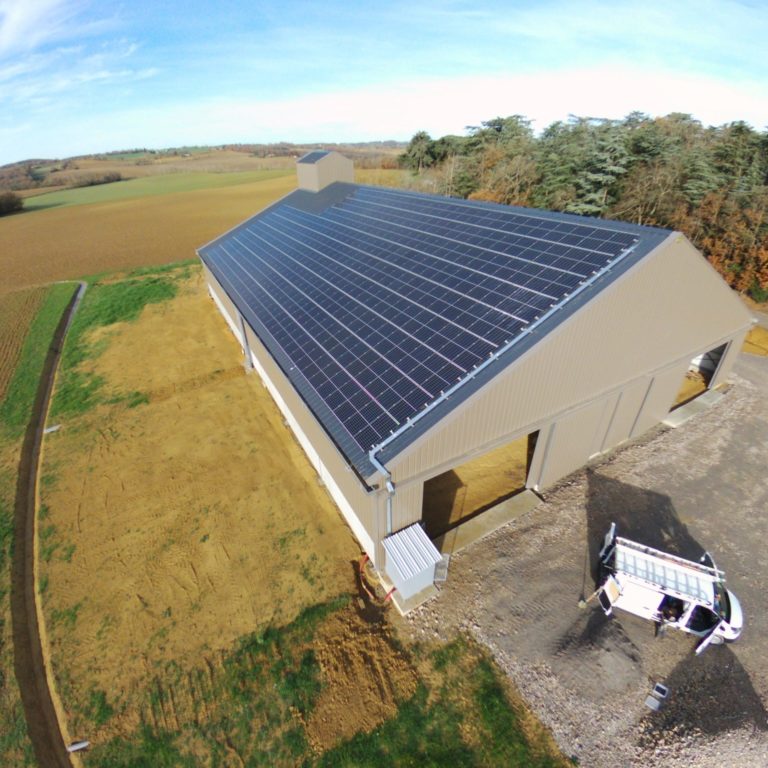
<point x="358" y="507"/>
<point x="608" y="373"/>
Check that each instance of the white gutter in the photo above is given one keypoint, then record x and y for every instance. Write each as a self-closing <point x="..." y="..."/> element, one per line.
<point x="390" y="486"/>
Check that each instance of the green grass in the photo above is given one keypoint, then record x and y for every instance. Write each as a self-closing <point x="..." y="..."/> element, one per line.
<point x="255" y="701"/>
<point x="16" y="408"/>
<point x="104" y="304"/>
<point x="99" y="710"/>
<point x="147" y="186"/>
<point x="427" y="728"/>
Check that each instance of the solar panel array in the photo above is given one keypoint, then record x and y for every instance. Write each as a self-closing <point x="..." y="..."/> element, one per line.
<point x="312" y="157"/>
<point x="386" y="299"/>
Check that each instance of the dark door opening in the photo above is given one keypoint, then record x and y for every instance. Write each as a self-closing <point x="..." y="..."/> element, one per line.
<point x="477" y="485"/>
<point x="700" y="373"/>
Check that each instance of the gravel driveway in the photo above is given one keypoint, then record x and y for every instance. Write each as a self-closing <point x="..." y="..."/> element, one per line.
<point x="701" y="486"/>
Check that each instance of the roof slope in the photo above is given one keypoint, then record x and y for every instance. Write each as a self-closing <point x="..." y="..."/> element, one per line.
<point x="386" y="308"/>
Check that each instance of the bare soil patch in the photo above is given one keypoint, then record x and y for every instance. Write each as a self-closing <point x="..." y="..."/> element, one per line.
<point x="365" y="677"/>
<point x="173" y="528"/>
<point x="17" y="311"/>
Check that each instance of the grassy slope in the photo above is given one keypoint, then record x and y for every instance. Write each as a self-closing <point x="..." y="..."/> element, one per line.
<point x="149" y="186"/>
<point x="105" y="304"/>
<point x="254" y="703"/>
<point x="15" y="411"/>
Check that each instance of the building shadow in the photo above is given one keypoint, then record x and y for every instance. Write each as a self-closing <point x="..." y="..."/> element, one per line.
<point x="640" y="514"/>
<point x="440" y="497"/>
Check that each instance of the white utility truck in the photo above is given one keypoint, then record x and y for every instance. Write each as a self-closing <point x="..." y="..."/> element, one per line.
<point x="668" y="590"/>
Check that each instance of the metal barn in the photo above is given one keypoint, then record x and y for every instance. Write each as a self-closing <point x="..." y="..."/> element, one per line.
<point x="406" y="335"/>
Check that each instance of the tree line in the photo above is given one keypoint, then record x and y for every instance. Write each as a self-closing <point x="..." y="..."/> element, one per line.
<point x="709" y="183"/>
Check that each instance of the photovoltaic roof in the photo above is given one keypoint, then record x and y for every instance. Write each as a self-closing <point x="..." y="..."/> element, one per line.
<point x="312" y="157"/>
<point x="383" y="307"/>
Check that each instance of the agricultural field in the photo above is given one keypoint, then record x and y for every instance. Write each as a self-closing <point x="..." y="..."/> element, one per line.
<point x="17" y="310"/>
<point x="198" y="584"/>
<point x="66" y="242"/>
<point x="148" y="221"/>
<point x="40" y="312"/>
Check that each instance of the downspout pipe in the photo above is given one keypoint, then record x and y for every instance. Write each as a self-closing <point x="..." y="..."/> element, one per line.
<point x="390" y="486"/>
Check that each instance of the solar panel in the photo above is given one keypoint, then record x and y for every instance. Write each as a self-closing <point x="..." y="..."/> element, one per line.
<point x="312" y="157"/>
<point x="385" y="299"/>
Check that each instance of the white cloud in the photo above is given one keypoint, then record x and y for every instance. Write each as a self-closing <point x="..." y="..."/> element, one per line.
<point x="448" y="105"/>
<point x="27" y="24"/>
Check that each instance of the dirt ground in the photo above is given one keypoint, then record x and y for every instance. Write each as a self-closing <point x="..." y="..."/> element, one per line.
<point x="364" y="678"/>
<point x="178" y="526"/>
<point x="464" y="491"/>
<point x="701" y="486"/>
<point x="693" y="385"/>
<point x="756" y="342"/>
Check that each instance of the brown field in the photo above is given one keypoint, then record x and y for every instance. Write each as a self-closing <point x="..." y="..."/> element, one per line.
<point x="178" y="526"/>
<point x="17" y="311"/>
<point x="62" y="174"/>
<point x="69" y="242"/>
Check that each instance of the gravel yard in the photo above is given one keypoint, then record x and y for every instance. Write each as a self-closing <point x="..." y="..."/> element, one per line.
<point x="701" y="486"/>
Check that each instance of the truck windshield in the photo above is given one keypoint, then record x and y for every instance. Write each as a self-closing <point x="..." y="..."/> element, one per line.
<point x="722" y="605"/>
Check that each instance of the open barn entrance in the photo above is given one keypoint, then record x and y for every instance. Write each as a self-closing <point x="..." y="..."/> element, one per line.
<point x="700" y="373"/>
<point x="474" y="487"/>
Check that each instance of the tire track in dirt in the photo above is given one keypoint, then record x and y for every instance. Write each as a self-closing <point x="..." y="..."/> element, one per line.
<point x="29" y="660"/>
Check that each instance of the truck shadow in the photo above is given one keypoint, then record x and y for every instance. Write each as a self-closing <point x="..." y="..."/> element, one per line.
<point x="640" y="514"/>
<point x="709" y="694"/>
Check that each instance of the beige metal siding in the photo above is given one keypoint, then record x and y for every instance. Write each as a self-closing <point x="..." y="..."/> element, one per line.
<point x="357" y="506"/>
<point x="660" y="397"/>
<point x="407" y="504"/>
<point x="667" y="308"/>
<point x="628" y="401"/>
<point x="570" y="442"/>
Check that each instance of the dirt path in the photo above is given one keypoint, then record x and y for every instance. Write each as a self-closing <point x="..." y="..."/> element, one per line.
<point x="29" y="661"/>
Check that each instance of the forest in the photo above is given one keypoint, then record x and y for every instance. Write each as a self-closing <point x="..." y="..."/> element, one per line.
<point x="711" y="183"/>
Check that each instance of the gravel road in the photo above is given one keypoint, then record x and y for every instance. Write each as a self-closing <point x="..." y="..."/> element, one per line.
<point x="701" y="486"/>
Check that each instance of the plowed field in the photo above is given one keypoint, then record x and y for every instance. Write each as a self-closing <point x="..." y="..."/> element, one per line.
<point x="64" y="243"/>
<point x="17" y="310"/>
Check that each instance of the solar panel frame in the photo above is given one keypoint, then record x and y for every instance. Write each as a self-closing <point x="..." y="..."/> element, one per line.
<point x="381" y="301"/>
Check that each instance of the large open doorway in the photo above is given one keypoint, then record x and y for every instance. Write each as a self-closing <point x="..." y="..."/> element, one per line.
<point x="700" y="373"/>
<point x="474" y="487"/>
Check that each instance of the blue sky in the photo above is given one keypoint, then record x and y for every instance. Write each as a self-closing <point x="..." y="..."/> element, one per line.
<point x="81" y="76"/>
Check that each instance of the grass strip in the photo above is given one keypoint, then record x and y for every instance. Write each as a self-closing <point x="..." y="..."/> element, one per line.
<point x="245" y="704"/>
<point x="104" y="304"/>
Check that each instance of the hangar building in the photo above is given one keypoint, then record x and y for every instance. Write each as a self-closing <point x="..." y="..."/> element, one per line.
<point x="406" y="335"/>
